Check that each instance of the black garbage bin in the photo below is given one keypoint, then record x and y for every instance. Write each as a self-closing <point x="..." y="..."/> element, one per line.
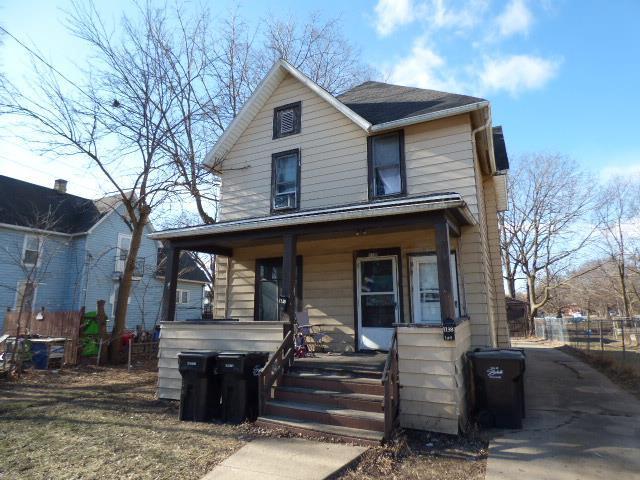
<point x="499" y="386"/>
<point x="240" y="371"/>
<point x="200" y="394"/>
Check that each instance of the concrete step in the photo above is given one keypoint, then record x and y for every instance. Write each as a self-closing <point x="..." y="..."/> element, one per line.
<point x="333" y="382"/>
<point x="343" y="417"/>
<point x="353" y="401"/>
<point x="317" y="429"/>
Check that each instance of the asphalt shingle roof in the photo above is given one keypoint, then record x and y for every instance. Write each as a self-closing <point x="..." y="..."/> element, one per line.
<point x="379" y="102"/>
<point x="27" y="205"/>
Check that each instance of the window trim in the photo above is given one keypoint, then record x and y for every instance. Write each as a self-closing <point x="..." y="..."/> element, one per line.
<point x="274" y="158"/>
<point x="179" y="292"/>
<point x="370" y="173"/>
<point x="299" y="281"/>
<point x="297" y="125"/>
<point x="119" y="262"/>
<point x="24" y="250"/>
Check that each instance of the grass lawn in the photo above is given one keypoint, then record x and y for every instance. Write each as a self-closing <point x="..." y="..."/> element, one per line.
<point x="105" y="423"/>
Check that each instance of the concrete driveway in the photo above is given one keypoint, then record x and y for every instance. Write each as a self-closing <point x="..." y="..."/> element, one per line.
<point x="579" y="425"/>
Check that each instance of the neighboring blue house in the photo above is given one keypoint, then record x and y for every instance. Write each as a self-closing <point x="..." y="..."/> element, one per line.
<point x="62" y="252"/>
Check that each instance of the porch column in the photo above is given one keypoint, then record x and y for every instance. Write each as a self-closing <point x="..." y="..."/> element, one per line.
<point x="172" y="265"/>
<point x="443" y="255"/>
<point x="289" y="275"/>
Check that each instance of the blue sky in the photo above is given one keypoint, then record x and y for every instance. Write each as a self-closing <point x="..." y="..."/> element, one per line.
<point x="563" y="76"/>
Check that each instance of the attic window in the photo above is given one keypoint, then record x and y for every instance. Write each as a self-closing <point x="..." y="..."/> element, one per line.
<point x="286" y="120"/>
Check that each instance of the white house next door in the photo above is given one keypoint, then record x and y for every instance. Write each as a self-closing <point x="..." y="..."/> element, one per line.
<point x="378" y="301"/>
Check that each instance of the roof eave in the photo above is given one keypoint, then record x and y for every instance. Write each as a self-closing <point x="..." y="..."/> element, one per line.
<point x="427" y="117"/>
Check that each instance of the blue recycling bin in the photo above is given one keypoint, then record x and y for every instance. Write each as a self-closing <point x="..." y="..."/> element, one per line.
<point x="40" y="355"/>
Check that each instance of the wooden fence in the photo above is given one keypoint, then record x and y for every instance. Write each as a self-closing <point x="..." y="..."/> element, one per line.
<point x="54" y="324"/>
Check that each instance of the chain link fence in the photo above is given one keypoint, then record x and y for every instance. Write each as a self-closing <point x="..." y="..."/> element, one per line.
<point x="617" y="338"/>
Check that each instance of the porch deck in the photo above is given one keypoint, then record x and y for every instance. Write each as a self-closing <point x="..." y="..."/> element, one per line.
<point x="370" y="362"/>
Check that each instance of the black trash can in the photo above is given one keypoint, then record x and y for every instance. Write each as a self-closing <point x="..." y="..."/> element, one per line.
<point x="240" y="371"/>
<point x="499" y="386"/>
<point x="200" y="394"/>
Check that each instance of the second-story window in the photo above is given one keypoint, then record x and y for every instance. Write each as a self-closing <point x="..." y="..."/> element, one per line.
<point x="286" y="180"/>
<point x="286" y="120"/>
<point x="386" y="165"/>
<point x="31" y="250"/>
<point x="124" y="244"/>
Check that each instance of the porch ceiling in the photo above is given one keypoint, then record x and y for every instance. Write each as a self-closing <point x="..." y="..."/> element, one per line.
<point x="407" y="213"/>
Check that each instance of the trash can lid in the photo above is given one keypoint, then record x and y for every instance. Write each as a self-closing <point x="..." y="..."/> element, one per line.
<point x="498" y="353"/>
<point x="198" y="353"/>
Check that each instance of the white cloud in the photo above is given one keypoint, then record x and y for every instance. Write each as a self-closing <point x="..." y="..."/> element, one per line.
<point x="390" y="14"/>
<point x="516" y="73"/>
<point x="516" y="18"/>
<point x="439" y="15"/>
<point x="423" y="68"/>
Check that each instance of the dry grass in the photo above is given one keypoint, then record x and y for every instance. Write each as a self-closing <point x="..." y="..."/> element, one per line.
<point x="624" y="375"/>
<point x="426" y="456"/>
<point x="103" y="423"/>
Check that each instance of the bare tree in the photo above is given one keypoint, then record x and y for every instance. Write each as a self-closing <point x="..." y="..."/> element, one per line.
<point x="115" y="119"/>
<point x="547" y="223"/>
<point x="617" y="214"/>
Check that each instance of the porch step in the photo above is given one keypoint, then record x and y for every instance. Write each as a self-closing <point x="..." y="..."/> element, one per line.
<point x="345" y="370"/>
<point x="355" y="401"/>
<point x="346" y="434"/>
<point x="343" y="383"/>
<point x="343" y="417"/>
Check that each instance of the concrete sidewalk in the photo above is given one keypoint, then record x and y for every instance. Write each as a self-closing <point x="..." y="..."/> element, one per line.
<point x="579" y="425"/>
<point x="285" y="458"/>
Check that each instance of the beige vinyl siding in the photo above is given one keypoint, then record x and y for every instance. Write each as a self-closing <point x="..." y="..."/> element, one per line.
<point x="439" y="158"/>
<point x="432" y="380"/>
<point x="500" y="185"/>
<point x="178" y="337"/>
<point x="491" y="186"/>
<point x="330" y="145"/>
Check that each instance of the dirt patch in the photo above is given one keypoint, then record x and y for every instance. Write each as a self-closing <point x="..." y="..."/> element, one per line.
<point x="425" y="456"/>
<point x="103" y="423"/>
<point x="626" y="377"/>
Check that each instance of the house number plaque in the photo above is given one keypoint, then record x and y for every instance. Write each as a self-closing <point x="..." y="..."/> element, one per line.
<point x="449" y="330"/>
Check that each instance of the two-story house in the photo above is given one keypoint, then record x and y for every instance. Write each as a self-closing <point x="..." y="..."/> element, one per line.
<point x="374" y="214"/>
<point x="61" y="252"/>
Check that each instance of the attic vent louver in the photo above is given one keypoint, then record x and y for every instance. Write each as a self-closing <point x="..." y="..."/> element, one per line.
<point x="286" y="121"/>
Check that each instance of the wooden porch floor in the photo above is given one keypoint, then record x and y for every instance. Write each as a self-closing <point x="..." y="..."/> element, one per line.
<point x="373" y="362"/>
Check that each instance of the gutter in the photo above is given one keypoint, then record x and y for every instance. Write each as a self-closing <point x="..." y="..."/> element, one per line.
<point x="450" y="112"/>
<point x="40" y="230"/>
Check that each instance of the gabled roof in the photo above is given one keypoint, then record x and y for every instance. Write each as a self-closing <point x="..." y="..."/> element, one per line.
<point x="382" y="102"/>
<point x="27" y="205"/>
<point x="188" y="268"/>
<point x="373" y="106"/>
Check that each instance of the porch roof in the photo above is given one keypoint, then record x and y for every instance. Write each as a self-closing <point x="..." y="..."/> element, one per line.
<point x="444" y="202"/>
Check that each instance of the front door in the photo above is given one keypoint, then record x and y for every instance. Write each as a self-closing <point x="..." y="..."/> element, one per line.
<point x="425" y="294"/>
<point x="378" y="301"/>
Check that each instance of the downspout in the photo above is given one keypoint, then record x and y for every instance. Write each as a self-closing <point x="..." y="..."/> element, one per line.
<point x="479" y="129"/>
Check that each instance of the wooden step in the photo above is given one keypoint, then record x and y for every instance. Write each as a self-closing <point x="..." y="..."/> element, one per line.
<point x="328" y="415"/>
<point x="354" y="401"/>
<point x="306" y="427"/>
<point x="338" y="369"/>
<point x="334" y="383"/>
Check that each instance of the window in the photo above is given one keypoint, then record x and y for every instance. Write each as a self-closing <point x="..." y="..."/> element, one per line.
<point x="269" y="287"/>
<point x="285" y="180"/>
<point x="31" y="250"/>
<point x="124" y="244"/>
<point x="286" y="120"/>
<point x="25" y="296"/>
<point x="182" y="296"/>
<point x="386" y="165"/>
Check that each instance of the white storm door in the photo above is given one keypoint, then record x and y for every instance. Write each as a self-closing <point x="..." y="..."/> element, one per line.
<point x="425" y="293"/>
<point x="378" y="301"/>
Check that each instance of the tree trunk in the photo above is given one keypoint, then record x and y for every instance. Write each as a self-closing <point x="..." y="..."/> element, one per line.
<point x="116" y="352"/>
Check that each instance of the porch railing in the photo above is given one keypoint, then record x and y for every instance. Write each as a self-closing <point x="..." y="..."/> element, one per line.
<point x="391" y="388"/>
<point x="275" y="367"/>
